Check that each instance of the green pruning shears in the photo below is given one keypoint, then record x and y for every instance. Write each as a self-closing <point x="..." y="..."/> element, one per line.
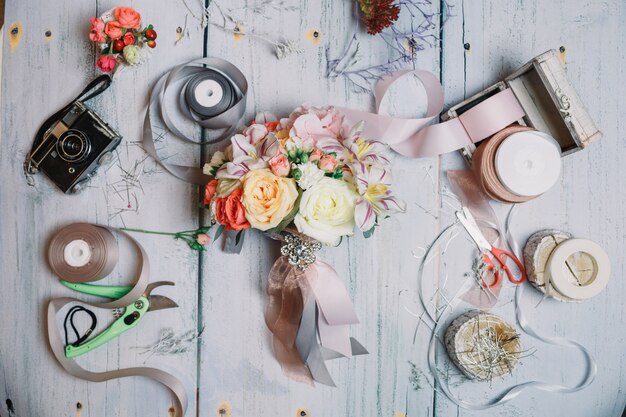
<point x="128" y="317"/>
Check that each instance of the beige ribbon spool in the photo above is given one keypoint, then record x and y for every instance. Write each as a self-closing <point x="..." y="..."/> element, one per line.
<point x="564" y="268"/>
<point x="84" y="252"/>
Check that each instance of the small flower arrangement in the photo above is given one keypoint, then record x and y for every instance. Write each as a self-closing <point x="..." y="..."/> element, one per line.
<point x="309" y="170"/>
<point x="120" y="37"/>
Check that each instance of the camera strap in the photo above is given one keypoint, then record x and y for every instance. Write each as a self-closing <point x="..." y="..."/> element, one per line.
<point x="93" y="89"/>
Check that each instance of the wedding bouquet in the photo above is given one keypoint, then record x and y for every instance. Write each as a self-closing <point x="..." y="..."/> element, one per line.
<point x="308" y="179"/>
<point x="309" y="170"/>
<point x="120" y="37"/>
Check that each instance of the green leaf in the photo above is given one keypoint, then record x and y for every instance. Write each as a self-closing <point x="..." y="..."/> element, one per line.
<point x="204" y="229"/>
<point x="369" y="233"/>
<point x="219" y="232"/>
<point x="238" y="237"/>
<point x="196" y="246"/>
<point x="150" y="27"/>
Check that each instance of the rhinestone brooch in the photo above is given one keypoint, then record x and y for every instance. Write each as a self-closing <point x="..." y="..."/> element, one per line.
<point x="301" y="253"/>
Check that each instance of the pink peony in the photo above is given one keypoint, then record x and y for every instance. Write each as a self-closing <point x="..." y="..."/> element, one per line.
<point x="330" y="120"/>
<point x="328" y="163"/>
<point x="113" y="30"/>
<point x="106" y="63"/>
<point x="96" y="34"/>
<point x="280" y="165"/>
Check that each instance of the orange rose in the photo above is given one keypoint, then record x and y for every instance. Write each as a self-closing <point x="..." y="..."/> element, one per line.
<point x="127" y="17"/>
<point x="209" y="192"/>
<point x="113" y="30"/>
<point x="230" y="212"/>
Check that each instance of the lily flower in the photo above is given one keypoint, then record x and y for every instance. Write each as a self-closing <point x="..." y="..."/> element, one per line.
<point x="248" y="156"/>
<point x="376" y="200"/>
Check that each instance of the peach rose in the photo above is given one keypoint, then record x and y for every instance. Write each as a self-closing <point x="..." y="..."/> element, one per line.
<point x="129" y="38"/>
<point x="209" y="192"/>
<point x="280" y="165"/>
<point x="315" y="155"/>
<point x="128" y="17"/>
<point x="230" y="212"/>
<point x="106" y="63"/>
<point x="268" y="199"/>
<point x="328" y="163"/>
<point x="113" y="30"/>
<point x="97" y="30"/>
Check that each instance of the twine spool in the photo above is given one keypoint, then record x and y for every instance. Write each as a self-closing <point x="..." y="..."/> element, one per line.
<point x="527" y="163"/>
<point x="482" y="345"/>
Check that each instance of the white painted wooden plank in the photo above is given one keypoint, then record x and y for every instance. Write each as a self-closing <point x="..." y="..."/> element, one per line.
<point x="587" y="201"/>
<point x="237" y="363"/>
<point x="40" y="76"/>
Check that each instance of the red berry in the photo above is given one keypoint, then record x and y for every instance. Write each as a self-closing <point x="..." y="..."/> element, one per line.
<point x="151" y="34"/>
<point x="151" y="44"/>
<point x="118" y="45"/>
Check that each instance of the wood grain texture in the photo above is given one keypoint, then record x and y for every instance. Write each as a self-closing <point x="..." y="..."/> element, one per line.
<point x="225" y="293"/>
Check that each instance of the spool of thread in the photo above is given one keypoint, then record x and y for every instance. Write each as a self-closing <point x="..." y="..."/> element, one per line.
<point x="565" y="268"/>
<point x="83" y="252"/>
<point x="517" y="164"/>
<point x="482" y="345"/>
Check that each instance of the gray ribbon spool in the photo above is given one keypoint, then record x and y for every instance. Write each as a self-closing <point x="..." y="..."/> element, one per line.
<point x="176" y="82"/>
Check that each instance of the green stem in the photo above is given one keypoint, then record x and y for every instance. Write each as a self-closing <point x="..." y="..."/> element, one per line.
<point x="147" y="231"/>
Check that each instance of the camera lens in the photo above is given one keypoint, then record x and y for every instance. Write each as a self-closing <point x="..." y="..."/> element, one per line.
<point x="73" y="146"/>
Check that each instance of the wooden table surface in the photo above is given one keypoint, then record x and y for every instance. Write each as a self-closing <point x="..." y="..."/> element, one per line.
<point x="232" y="362"/>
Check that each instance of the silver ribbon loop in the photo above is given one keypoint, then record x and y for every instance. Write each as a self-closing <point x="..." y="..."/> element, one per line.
<point x="176" y="82"/>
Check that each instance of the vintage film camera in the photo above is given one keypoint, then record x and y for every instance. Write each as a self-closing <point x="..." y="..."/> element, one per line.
<point x="72" y="149"/>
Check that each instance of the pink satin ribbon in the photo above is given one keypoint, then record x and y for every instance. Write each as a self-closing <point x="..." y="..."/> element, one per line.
<point x="289" y="290"/>
<point x="413" y="138"/>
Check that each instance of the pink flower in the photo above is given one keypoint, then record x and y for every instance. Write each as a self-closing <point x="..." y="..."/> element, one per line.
<point x="97" y="30"/>
<point x="315" y="155"/>
<point x="255" y="133"/>
<point x="280" y="165"/>
<point x="113" y="30"/>
<point x="319" y="121"/>
<point x="129" y="38"/>
<point x="328" y="163"/>
<point x="203" y="239"/>
<point x="127" y="17"/>
<point x="106" y="63"/>
<point x="209" y="192"/>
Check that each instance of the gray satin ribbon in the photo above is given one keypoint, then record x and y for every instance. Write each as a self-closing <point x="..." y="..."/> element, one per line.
<point x="58" y="347"/>
<point x="312" y="353"/>
<point x="516" y="390"/>
<point x="174" y="82"/>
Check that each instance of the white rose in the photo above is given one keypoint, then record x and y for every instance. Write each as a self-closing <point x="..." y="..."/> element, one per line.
<point x="311" y="175"/>
<point x="326" y="211"/>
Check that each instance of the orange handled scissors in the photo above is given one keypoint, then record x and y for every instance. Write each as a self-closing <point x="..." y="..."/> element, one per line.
<point x="501" y="256"/>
